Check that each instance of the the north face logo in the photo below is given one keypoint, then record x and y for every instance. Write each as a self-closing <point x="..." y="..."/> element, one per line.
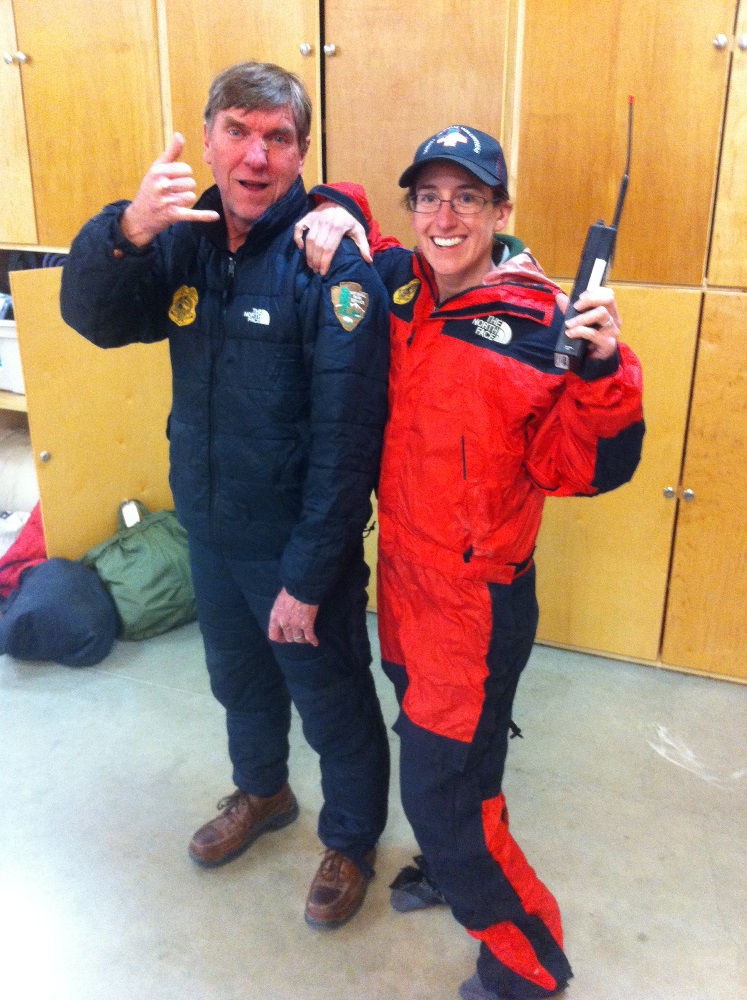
<point x="260" y="316"/>
<point x="493" y="329"/>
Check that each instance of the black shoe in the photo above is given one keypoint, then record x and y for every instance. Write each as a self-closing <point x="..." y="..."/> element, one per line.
<point x="472" y="989"/>
<point x="413" y="890"/>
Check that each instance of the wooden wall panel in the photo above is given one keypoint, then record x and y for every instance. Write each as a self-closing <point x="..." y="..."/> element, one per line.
<point x="101" y="416"/>
<point x="728" y="263"/>
<point x="707" y="611"/>
<point x="17" y="222"/>
<point x="581" y="62"/>
<point x="603" y="562"/>
<point x="204" y="39"/>
<point x="93" y="111"/>
<point x="401" y="74"/>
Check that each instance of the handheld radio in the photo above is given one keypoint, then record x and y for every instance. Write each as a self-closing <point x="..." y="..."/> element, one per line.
<point x="595" y="262"/>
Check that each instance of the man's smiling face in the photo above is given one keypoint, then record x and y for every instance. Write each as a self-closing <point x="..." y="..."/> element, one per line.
<point x="255" y="157"/>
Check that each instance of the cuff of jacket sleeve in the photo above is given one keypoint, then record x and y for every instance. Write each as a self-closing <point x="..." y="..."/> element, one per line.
<point x="122" y="247"/>
<point x="593" y="369"/>
<point x="325" y="192"/>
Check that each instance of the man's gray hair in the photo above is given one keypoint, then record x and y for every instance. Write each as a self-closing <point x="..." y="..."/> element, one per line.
<point x="255" y="86"/>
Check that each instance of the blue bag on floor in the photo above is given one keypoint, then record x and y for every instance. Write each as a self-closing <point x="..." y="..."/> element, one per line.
<point x="60" y="611"/>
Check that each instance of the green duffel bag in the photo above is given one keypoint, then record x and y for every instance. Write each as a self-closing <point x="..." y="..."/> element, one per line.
<point x="145" y="568"/>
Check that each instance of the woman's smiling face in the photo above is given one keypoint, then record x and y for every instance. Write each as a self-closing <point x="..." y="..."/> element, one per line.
<point x="458" y="247"/>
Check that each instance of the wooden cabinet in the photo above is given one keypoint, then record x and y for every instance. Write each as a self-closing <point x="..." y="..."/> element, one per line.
<point x="706" y="618"/>
<point x="640" y="574"/>
<point x="204" y="39"/>
<point x="17" y="221"/>
<point x="97" y="419"/>
<point x="91" y="98"/>
<point x="603" y="562"/>
<point x="578" y="71"/>
<point x="401" y="73"/>
<point x="707" y="609"/>
<point x="728" y="261"/>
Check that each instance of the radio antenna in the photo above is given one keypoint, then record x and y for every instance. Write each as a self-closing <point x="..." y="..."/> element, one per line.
<point x="596" y="258"/>
<point x="626" y="176"/>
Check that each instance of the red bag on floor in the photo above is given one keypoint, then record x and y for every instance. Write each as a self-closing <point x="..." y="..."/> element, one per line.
<point x="28" y="549"/>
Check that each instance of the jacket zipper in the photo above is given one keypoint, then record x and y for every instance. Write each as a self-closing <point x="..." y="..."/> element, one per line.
<point x="468" y="554"/>
<point x="215" y="347"/>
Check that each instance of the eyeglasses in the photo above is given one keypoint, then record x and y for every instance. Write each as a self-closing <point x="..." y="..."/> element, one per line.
<point x="465" y="203"/>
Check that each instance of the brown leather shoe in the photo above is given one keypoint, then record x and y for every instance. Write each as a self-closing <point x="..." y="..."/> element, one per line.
<point x="337" y="890"/>
<point x="243" y="819"/>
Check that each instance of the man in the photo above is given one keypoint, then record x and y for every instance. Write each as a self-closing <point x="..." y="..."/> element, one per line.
<point x="279" y="403"/>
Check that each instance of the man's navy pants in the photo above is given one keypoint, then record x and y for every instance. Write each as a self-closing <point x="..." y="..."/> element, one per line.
<point x="331" y="686"/>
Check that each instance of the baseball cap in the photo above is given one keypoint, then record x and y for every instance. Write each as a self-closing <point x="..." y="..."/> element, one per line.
<point x="475" y="151"/>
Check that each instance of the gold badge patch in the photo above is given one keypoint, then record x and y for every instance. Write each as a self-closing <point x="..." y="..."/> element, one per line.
<point x="182" y="310"/>
<point x="406" y="293"/>
<point x="350" y="303"/>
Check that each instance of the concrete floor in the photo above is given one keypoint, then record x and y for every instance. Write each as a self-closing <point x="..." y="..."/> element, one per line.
<point x="628" y="794"/>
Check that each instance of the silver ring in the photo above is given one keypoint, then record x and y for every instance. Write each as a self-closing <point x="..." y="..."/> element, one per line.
<point x="298" y="638"/>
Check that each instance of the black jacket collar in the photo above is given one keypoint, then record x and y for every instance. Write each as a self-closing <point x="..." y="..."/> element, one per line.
<point x="277" y="218"/>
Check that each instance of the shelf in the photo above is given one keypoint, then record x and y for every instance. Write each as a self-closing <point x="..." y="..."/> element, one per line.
<point x="12" y="401"/>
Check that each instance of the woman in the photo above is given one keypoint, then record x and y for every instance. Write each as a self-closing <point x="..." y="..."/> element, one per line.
<point x="482" y="427"/>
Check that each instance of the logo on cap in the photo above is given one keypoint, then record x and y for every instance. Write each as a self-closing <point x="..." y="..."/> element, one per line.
<point x="452" y="137"/>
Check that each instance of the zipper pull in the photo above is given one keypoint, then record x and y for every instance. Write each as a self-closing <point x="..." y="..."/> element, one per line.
<point x="228" y="289"/>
